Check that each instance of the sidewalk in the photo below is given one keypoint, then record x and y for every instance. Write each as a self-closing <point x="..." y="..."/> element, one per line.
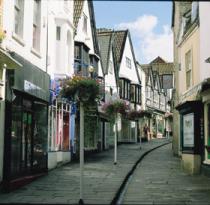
<point x="102" y="178"/>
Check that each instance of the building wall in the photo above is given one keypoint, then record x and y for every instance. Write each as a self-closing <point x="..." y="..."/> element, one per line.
<point x="1" y="110"/>
<point x="124" y="70"/>
<point x="190" y="43"/>
<point x="110" y="81"/>
<point x="180" y="8"/>
<point x="80" y="35"/>
<point x="23" y="46"/>
<point x="204" y="14"/>
<point x="60" y="53"/>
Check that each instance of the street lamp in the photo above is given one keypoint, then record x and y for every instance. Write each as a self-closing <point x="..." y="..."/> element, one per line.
<point x="91" y="70"/>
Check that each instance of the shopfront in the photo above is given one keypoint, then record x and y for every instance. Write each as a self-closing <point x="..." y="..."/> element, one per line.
<point x="206" y="129"/>
<point x="6" y="63"/>
<point x="191" y="132"/>
<point x="26" y="120"/>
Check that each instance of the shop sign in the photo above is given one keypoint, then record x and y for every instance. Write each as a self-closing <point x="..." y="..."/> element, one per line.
<point x="33" y="89"/>
<point x="188" y="130"/>
<point x="167" y="81"/>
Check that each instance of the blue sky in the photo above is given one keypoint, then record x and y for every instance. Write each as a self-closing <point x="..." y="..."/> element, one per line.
<point x="149" y="24"/>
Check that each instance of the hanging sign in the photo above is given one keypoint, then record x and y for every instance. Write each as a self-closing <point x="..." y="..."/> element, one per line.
<point x="167" y="81"/>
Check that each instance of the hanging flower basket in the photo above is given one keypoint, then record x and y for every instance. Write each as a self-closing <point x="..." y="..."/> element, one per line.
<point x="134" y="114"/>
<point x="80" y="88"/>
<point x="115" y="107"/>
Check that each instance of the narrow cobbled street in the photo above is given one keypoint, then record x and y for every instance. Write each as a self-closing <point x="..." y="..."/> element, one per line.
<point x="102" y="178"/>
<point x="159" y="180"/>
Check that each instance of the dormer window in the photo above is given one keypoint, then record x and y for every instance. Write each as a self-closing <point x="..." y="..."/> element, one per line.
<point x="84" y="23"/>
<point x="128" y="62"/>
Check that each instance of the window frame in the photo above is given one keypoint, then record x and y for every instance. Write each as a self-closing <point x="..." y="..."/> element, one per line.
<point x="58" y="33"/>
<point x="36" y="25"/>
<point x="19" y="17"/>
<point x="128" y="63"/>
<point x="188" y="68"/>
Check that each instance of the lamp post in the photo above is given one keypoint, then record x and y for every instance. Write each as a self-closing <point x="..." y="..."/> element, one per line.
<point x="91" y="70"/>
<point x="81" y="152"/>
<point x="115" y="140"/>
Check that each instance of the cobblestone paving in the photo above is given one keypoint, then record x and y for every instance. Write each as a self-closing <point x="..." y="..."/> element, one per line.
<point x="101" y="178"/>
<point x="159" y="180"/>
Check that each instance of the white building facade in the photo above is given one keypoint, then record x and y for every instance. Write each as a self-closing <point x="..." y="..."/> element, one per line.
<point x="26" y="90"/>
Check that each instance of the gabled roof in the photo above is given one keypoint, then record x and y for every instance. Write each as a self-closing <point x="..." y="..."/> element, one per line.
<point x="105" y="43"/>
<point x="78" y="7"/>
<point x="117" y="39"/>
<point x="161" y="66"/>
<point x="119" y="44"/>
<point x="93" y="26"/>
<point x="158" y="60"/>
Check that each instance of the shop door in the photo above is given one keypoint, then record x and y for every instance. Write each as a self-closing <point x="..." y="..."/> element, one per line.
<point x="26" y="142"/>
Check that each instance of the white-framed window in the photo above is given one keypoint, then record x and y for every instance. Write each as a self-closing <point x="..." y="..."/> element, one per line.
<point x="18" y="17"/>
<point x="110" y="67"/>
<point x="84" y="23"/>
<point x="58" y="33"/>
<point x="188" y="68"/>
<point x="36" y="24"/>
<point x="66" y="3"/>
<point x="128" y="62"/>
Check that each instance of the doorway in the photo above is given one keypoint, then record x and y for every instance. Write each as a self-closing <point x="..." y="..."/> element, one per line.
<point x="26" y="142"/>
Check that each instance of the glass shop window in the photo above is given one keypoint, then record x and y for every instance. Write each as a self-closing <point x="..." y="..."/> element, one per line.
<point x="16" y="136"/>
<point x="40" y="135"/>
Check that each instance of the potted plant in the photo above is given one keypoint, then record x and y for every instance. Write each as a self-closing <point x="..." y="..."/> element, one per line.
<point x="80" y="88"/>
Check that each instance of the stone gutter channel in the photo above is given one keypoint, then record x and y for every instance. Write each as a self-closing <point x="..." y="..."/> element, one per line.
<point x="118" y="198"/>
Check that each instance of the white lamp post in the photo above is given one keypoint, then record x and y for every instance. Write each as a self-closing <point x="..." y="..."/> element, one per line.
<point x="81" y="152"/>
<point x="115" y="140"/>
<point x="91" y="70"/>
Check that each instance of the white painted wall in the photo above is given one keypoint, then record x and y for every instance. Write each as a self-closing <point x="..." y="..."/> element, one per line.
<point x="80" y="35"/>
<point x="204" y="8"/>
<point x="24" y="48"/>
<point x="100" y="72"/>
<point x="142" y="76"/>
<point x="110" y="81"/>
<point x="124" y="70"/>
<point x="60" y="53"/>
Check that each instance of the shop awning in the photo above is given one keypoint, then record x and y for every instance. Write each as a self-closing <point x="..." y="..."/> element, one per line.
<point x="7" y="61"/>
<point x="189" y="105"/>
